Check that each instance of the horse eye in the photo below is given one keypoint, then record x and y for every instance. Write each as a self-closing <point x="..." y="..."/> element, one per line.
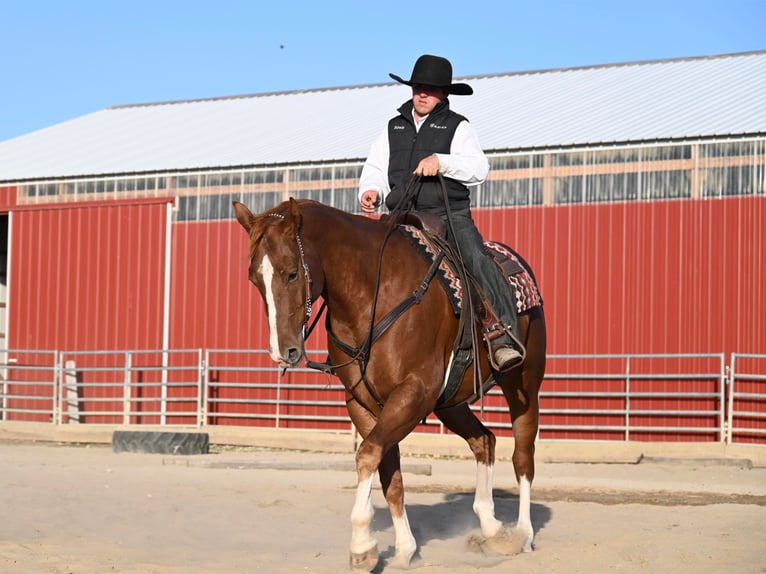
<point x="292" y="277"/>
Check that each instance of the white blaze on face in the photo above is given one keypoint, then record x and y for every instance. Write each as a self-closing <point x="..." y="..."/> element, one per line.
<point x="266" y="269"/>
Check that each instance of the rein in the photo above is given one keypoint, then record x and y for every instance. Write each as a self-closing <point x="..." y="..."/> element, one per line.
<point x="361" y="353"/>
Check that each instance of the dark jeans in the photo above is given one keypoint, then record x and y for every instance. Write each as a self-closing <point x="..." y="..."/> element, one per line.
<point x="486" y="272"/>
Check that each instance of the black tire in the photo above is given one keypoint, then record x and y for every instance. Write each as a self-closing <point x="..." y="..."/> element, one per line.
<point x="161" y="442"/>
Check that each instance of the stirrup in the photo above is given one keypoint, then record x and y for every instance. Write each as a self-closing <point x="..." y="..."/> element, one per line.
<point x="492" y="332"/>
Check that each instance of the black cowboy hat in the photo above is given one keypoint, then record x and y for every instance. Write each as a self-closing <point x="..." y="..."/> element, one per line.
<point x="435" y="71"/>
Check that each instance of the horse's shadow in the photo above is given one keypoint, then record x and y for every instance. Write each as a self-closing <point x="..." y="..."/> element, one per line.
<point x="453" y="518"/>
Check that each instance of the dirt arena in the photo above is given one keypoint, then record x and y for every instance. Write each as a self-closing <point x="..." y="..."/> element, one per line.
<point x="86" y="510"/>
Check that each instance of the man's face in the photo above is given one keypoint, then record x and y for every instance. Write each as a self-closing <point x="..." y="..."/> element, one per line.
<point x="425" y="98"/>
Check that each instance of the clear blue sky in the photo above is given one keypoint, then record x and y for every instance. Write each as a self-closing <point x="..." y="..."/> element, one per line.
<point x="60" y="60"/>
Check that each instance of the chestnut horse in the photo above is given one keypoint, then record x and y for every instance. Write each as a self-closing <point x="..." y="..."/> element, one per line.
<point x="301" y="250"/>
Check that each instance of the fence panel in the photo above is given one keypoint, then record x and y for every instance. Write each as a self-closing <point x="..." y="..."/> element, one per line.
<point x="245" y="387"/>
<point x="131" y="387"/>
<point x="747" y="399"/>
<point x="679" y="397"/>
<point x="28" y="385"/>
<point x="673" y="397"/>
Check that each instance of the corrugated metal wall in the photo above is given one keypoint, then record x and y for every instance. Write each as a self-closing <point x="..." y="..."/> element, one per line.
<point x="648" y="277"/>
<point x="675" y="276"/>
<point x="663" y="277"/>
<point x="86" y="277"/>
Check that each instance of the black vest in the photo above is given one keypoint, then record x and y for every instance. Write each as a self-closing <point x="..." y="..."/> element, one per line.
<point x="408" y="146"/>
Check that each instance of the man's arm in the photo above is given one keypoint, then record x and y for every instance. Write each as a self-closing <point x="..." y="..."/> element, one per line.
<point x="373" y="183"/>
<point x="466" y="161"/>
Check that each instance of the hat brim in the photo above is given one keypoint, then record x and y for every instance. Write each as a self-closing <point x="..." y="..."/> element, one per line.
<point x="458" y="89"/>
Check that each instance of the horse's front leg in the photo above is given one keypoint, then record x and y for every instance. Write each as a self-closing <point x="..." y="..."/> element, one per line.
<point x="363" y="545"/>
<point x="364" y="548"/>
<point x="379" y="452"/>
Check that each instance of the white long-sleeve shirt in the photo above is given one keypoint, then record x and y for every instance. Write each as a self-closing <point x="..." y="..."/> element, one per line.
<point x="465" y="163"/>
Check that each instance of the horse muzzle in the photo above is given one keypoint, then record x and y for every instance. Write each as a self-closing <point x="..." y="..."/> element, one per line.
<point x="289" y="357"/>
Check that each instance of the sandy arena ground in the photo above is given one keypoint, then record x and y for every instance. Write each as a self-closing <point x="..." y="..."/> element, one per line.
<point x="86" y="510"/>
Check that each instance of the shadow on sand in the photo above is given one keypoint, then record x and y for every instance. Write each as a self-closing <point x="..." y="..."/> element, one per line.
<point x="450" y="524"/>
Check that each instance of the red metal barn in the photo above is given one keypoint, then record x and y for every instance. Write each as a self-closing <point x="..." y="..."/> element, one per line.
<point x="130" y="291"/>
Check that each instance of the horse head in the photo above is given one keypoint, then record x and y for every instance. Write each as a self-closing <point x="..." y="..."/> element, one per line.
<point x="279" y="269"/>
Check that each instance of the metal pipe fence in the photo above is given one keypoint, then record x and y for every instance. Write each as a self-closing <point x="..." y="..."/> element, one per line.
<point x="600" y="397"/>
<point x="29" y="383"/>
<point x="747" y="397"/>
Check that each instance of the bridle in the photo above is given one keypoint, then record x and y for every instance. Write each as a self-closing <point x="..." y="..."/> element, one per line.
<point x="309" y="282"/>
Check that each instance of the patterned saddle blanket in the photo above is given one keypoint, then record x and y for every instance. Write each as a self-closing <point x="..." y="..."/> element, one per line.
<point x="522" y="286"/>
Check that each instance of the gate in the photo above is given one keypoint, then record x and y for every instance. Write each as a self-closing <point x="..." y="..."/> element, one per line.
<point x="747" y="399"/>
<point x="28" y="381"/>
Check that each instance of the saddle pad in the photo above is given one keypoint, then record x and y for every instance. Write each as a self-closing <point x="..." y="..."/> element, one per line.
<point x="449" y="281"/>
<point x="522" y="286"/>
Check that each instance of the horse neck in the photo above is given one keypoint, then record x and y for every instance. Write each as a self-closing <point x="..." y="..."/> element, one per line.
<point x="346" y="248"/>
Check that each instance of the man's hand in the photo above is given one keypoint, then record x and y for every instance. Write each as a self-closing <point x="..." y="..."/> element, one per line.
<point x="370" y="201"/>
<point x="428" y="166"/>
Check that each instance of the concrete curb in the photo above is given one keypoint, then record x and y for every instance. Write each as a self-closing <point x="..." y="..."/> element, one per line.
<point x="431" y="445"/>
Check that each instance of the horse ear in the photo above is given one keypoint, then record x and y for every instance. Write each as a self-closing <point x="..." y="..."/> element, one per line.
<point x="244" y="215"/>
<point x="295" y="213"/>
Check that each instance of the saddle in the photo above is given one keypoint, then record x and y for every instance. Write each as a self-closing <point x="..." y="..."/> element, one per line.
<point x="428" y="233"/>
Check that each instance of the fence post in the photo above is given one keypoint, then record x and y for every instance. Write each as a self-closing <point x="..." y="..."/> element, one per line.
<point x="164" y="389"/>
<point x="279" y="399"/>
<point x="202" y="388"/>
<point x="730" y="403"/>
<point x="126" y="390"/>
<point x="72" y="396"/>
<point x="627" y="399"/>
<point x="58" y="360"/>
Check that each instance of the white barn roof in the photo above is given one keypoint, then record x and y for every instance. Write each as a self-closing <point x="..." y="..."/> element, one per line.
<point x="714" y="96"/>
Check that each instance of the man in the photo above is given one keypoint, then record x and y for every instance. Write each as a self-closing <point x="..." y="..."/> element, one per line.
<point x="426" y="139"/>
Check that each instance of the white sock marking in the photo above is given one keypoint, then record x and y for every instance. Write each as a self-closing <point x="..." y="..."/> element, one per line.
<point x="405" y="543"/>
<point x="361" y="518"/>
<point x="483" y="504"/>
<point x="525" y="519"/>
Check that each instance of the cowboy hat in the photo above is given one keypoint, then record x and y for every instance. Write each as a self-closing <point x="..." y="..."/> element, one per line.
<point x="435" y="71"/>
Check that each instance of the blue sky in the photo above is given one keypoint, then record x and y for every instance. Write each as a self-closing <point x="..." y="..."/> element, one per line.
<point x="60" y="60"/>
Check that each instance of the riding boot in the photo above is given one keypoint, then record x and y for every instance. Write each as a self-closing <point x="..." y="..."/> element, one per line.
<point x="502" y="344"/>
<point x="501" y="332"/>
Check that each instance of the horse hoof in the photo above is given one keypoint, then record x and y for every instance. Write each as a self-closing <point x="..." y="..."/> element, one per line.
<point x="403" y="560"/>
<point x="505" y="543"/>
<point x="365" y="561"/>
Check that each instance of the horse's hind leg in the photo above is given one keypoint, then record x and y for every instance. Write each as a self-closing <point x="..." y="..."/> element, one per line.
<point x="525" y="414"/>
<point x="463" y="422"/>
<point x="521" y="389"/>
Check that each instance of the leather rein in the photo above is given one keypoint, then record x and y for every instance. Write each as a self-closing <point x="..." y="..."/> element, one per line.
<point x="361" y="353"/>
